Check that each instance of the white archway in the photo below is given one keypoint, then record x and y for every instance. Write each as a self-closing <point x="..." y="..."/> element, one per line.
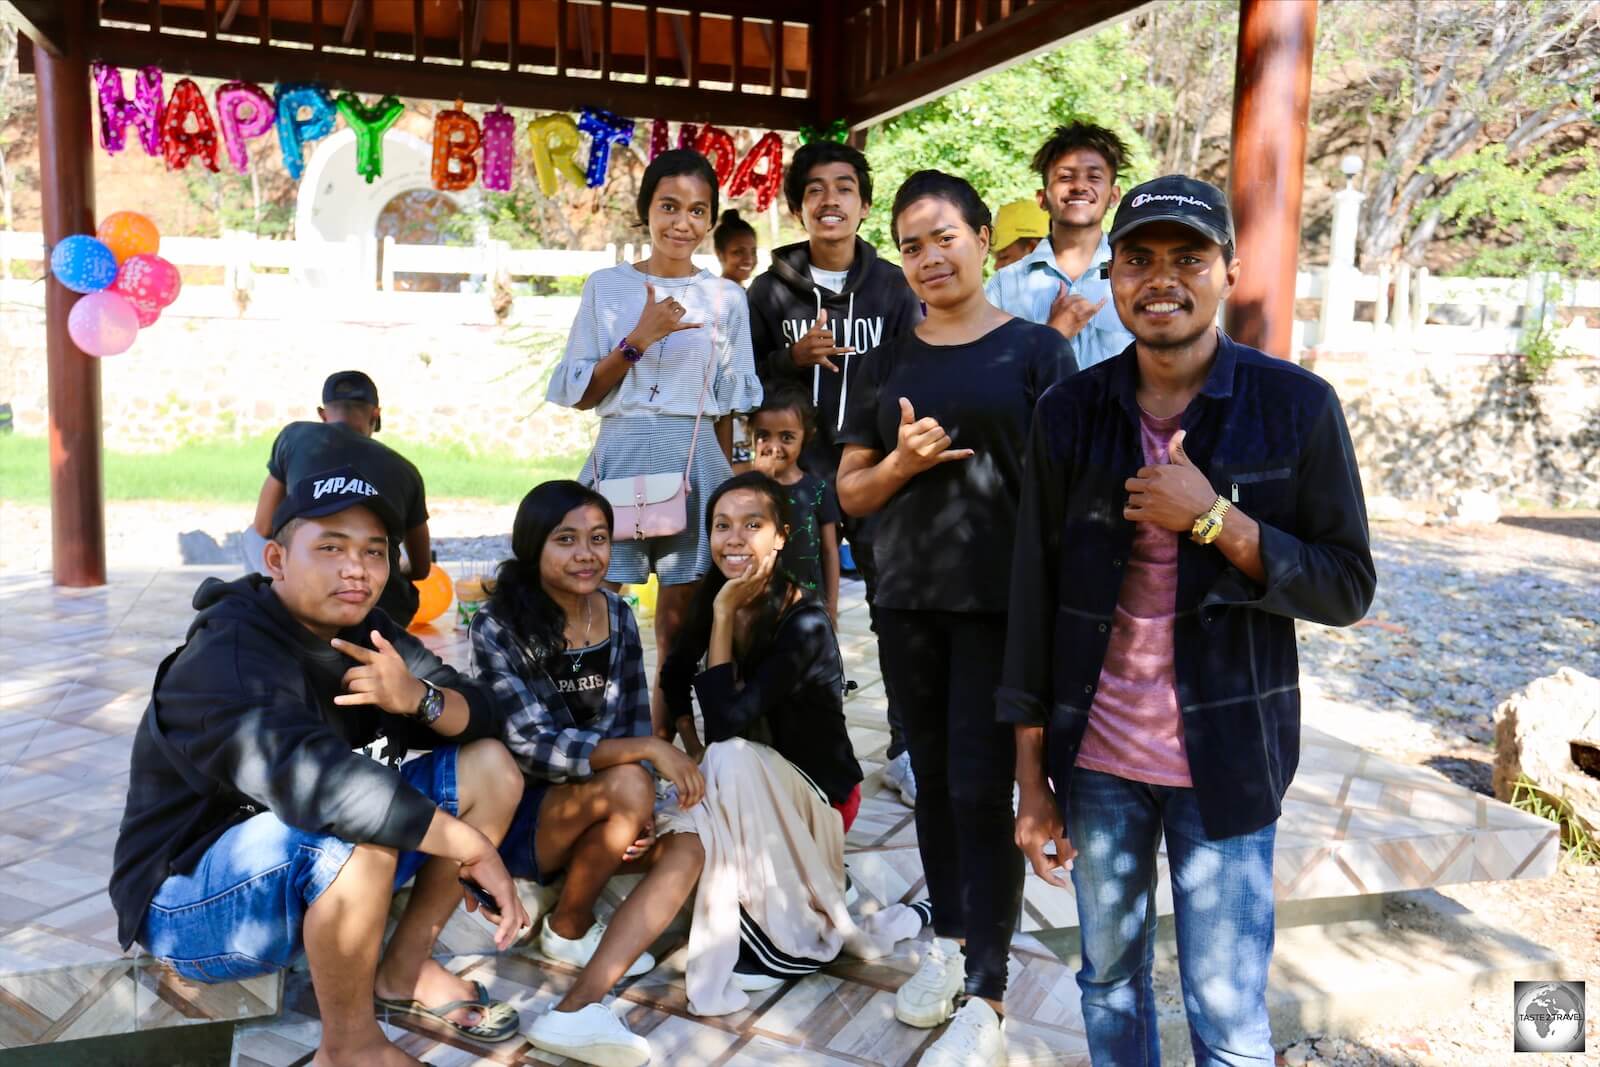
<point x="335" y="204"/>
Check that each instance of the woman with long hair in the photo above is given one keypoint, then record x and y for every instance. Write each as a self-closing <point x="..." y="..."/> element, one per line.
<point x="782" y="781"/>
<point x="934" y="438"/>
<point x="564" y="658"/>
<point x="660" y="349"/>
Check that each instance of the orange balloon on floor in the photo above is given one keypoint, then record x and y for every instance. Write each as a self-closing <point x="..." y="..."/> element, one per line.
<point x="434" y="594"/>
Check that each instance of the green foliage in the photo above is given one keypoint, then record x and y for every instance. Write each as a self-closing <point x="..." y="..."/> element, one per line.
<point x="988" y="131"/>
<point x="1540" y="350"/>
<point x="1580" y="845"/>
<point x="1543" y="213"/>
<point x="229" y="470"/>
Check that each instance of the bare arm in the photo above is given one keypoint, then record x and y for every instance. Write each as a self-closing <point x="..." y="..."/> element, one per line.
<point x="419" y="551"/>
<point x="272" y="494"/>
<point x="867" y="478"/>
<point x="724" y="429"/>
<point x="830" y="570"/>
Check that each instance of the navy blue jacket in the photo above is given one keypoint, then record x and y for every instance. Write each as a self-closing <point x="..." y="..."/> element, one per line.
<point x="1270" y="436"/>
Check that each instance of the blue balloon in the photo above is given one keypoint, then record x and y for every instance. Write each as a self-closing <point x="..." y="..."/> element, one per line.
<point x="293" y="131"/>
<point x="83" y="264"/>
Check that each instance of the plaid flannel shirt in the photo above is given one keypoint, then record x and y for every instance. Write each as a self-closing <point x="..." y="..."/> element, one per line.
<point x="540" y="730"/>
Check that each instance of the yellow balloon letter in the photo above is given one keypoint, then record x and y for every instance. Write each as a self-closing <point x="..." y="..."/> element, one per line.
<point x="554" y="140"/>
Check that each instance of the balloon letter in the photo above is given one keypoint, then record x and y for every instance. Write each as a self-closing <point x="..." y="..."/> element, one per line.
<point x="499" y="153"/>
<point x="687" y="132"/>
<point x="455" y="143"/>
<point x="555" y="141"/>
<point x="715" y="141"/>
<point x="244" y="111"/>
<point x="766" y="183"/>
<point x="604" y="129"/>
<point x="294" y="130"/>
<point x="658" y="138"/>
<point x="180" y="143"/>
<point x="116" y="110"/>
<point x="370" y="124"/>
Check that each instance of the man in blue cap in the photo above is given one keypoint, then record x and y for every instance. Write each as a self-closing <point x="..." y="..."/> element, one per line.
<point x="1183" y="504"/>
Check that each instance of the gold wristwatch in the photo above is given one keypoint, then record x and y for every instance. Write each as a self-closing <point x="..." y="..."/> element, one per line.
<point x="1208" y="527"/>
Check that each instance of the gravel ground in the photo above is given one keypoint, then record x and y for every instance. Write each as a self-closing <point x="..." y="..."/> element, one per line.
<point x="1464" y="616"/>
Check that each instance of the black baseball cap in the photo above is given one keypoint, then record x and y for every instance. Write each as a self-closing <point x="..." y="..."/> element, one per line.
<point x="1190" y="202"/>
<point x="349" y="386"/>
<point x="331" y="492"/>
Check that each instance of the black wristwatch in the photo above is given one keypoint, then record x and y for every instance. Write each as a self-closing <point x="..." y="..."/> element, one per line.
<point x="431" y="706"/>
<point x="629" y="353"/>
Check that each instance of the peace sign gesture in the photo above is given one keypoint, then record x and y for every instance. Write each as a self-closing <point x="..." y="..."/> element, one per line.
<point x="381" y="677"/>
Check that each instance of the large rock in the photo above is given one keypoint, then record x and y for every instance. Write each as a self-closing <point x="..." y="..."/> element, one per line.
<point x="1533" y="734"/>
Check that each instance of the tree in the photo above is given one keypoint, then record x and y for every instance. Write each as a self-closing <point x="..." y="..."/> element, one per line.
<point x="1450" y="76"/>
<point x="8" y="87"/>
<point x="988" y="131"/>
<point x="1546" y="210"/>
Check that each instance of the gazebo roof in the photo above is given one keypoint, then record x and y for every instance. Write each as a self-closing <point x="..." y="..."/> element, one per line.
<point x="774" y="63"/>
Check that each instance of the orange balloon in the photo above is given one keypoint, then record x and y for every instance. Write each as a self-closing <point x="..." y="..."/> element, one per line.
<point x="128" y="233"/>
<point x="434" y="594"/>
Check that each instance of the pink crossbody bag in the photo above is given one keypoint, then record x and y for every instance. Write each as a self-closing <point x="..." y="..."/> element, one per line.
<point x="657" y="505"/>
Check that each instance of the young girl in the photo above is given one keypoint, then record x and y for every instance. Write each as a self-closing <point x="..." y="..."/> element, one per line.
<point x="735" y="242"/>
<point x="780" y="429"/>
<point x="654" y="345"/>
<point x="934" y="439"/>
<point x="563" y="656"/>
<point x="782" y="780"/>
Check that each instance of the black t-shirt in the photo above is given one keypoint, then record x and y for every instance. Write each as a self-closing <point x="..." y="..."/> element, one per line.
<point x="812" y="505"/>
<point x="306" y="448"/>
<point x="581" y="676"/>
<point x="943" y="541"/>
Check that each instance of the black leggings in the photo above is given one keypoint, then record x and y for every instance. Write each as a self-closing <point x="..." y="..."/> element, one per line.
<point x="946" y="666"/>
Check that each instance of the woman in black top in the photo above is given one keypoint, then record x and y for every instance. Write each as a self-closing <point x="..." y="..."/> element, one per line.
<point x="774" y="677"/>
<point x="934" y="439"/>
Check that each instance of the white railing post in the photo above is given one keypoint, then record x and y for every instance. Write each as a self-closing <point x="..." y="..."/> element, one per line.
<point x="1400" y="313"/>
<point x="1419" y="299"/>
<point x="1338" y="287"/>
<point x="1380" y="300"/>
<point x="1537" y="303"/>
<point x="388" y="264"/>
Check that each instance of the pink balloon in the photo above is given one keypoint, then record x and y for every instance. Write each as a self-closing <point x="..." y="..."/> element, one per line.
<point x="148" y="313"/>
<point x="499" y="128"/>
<point x="245" y="111"/>
<point x="103" y="323"/>
<point x="148" y="279"/>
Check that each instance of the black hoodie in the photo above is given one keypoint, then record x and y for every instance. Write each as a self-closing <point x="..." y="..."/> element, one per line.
<point x="242" y="720"/>
<point x="876" y="305"/>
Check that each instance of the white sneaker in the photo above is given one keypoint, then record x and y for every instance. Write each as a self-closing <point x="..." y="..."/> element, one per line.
<point x="976" y="1038"/>
<point x="897" y="774"/>
<point x="592" y="1034"/>
<point x="577" y="952"/>
<point x="928" y="997"/>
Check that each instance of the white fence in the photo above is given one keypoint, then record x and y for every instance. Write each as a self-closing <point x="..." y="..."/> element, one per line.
<point x="356" y="281"/>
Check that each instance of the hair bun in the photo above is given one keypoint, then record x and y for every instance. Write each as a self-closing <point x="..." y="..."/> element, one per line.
<point x="730" y="215"/>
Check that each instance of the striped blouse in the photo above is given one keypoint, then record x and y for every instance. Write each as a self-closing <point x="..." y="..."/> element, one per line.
<point x="667" y="380"/>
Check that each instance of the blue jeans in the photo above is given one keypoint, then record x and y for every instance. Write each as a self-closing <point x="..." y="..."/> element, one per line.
<point x="239" y="913"/>
<point x="1222" y="903"/>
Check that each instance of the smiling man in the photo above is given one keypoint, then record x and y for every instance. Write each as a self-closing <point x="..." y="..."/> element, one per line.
<point x="1182" y="505"/>
<point x="815" y="316"/>
<point x="1058" y="284"/>
<point x="252" y="830"/>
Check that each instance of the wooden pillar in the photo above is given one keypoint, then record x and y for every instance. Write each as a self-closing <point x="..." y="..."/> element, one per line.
<point x="66" y="180"/>
<point x="1271" y="97"/>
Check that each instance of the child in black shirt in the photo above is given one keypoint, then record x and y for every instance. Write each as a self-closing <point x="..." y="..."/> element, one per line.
<point x="780" y="429"/>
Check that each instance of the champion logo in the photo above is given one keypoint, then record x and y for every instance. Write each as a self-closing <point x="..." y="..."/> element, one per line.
<point x="323" y="486"/>
<point x="1145" y="198"/>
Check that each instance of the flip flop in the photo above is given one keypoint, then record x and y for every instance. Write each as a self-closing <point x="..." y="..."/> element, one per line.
<point x="498" y="1021"/>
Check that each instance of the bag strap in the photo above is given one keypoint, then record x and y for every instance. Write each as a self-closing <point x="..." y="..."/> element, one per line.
<point x="705" y="382"/>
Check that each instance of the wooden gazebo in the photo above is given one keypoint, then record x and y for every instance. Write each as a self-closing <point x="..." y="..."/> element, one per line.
<point x="782" y="64"/>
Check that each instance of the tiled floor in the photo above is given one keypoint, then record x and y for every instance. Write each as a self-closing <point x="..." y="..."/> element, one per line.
<point x="75" y="667"/>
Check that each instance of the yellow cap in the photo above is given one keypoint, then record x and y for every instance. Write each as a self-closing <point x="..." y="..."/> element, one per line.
<point x="1019" y="219"/>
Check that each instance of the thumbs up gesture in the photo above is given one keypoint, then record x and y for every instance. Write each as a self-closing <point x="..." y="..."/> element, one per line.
<point x="923" y="443"/>
<point x="816" y="348"/>
<point x="1172" y="495"/>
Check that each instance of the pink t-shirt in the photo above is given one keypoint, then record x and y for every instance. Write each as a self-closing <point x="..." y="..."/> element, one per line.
<point x="1135" y="727"/>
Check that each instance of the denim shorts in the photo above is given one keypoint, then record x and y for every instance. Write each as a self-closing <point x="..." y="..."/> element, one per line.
<point x="517" y="850"/>
<point x="239" y="913"/>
